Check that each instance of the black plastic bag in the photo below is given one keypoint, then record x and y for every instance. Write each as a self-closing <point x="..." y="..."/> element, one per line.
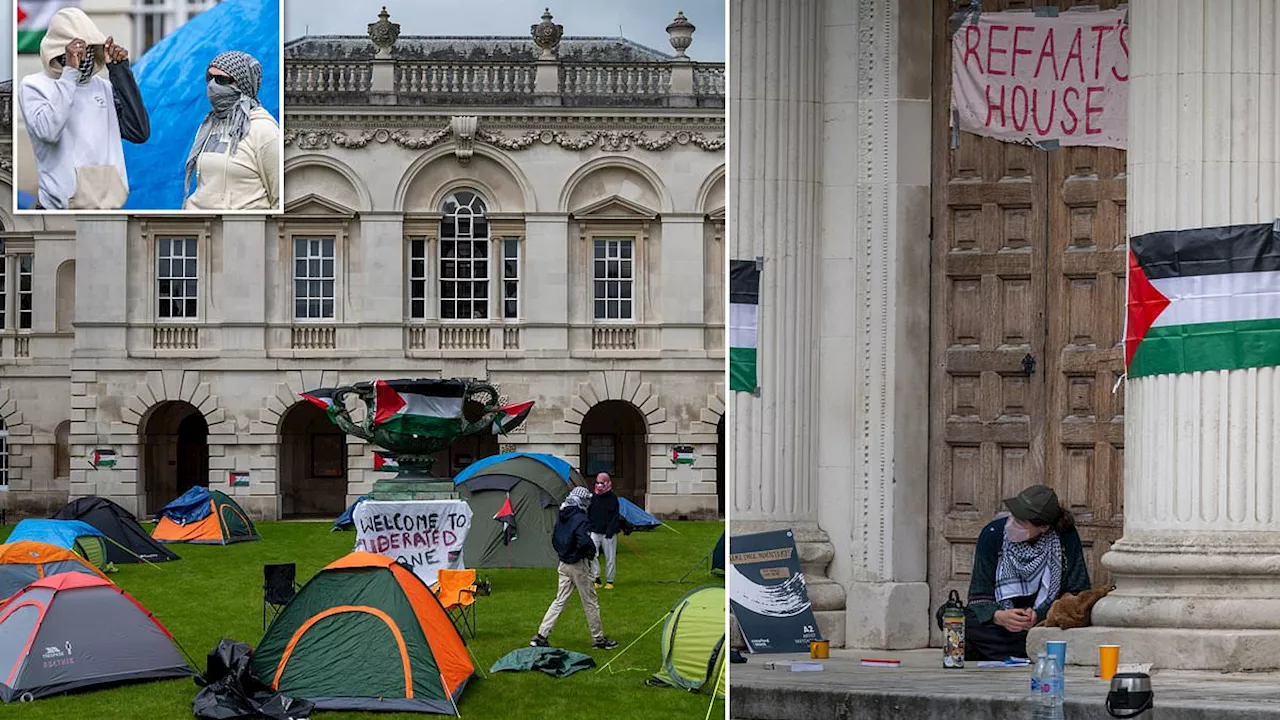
<point x="231" y="692"/>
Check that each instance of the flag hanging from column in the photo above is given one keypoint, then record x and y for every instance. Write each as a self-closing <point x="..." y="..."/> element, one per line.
<point x="1203" y="299"/>
<point x="744" y="323"/>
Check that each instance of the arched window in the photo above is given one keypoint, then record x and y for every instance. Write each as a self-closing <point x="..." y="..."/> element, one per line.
<point x="464" y="258"/>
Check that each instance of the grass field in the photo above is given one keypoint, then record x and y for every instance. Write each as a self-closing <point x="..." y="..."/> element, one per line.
<point x="215" y="592"/>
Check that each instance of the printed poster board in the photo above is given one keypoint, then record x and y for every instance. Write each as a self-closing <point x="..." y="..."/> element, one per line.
<point x="767" y="593"/>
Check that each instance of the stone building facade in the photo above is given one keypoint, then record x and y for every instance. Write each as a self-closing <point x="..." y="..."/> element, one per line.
<point x="547" y="213"/>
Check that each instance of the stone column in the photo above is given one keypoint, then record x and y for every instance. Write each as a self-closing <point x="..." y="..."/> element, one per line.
<point x="1197" y="572"/>
<point x="775" y="171"/>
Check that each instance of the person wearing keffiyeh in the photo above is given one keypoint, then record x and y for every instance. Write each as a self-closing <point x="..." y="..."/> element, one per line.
<point x="576" y="551"/>
<point x="235" y="157"/>
<point x="77" y="119"/>
<point x="1023" y="563"/>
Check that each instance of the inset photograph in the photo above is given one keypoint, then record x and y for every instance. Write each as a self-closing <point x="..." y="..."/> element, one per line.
<point x="174" y="107"/>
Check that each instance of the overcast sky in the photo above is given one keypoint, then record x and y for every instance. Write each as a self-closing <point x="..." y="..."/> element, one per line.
<point x="643" y="21"/>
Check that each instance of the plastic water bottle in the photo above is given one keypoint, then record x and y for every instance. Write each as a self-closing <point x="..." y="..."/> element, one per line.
<point x="1037" y="688"/>
<point x="1053" y="687"/>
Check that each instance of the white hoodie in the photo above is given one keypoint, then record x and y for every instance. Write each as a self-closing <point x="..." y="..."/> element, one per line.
<point x="74" y="129"/>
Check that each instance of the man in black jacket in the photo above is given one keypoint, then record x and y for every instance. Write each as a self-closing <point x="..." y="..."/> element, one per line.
<point x="604" y="519"/>
<point x="573" y="545"/>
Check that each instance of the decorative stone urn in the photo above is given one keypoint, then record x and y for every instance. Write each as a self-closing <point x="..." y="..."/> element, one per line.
<point x="384" y="34"/>
<point x="681" y="32"/>
<point x="546" y="35"/>
<point x="412" y="420"/>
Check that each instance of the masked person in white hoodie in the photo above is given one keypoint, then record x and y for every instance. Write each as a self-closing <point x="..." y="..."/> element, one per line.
<point x="77" y="119"/>
<point x="235" y="158"/>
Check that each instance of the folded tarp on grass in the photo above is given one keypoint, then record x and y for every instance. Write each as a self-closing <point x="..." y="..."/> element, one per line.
<point x="555" y="662"/>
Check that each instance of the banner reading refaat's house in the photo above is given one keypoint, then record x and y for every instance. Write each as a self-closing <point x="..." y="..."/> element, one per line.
<point x="1019" y="77"/>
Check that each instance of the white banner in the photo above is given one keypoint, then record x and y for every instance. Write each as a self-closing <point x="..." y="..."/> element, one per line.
<point x="426" y="535"/>
<point x="1018" y="77"/>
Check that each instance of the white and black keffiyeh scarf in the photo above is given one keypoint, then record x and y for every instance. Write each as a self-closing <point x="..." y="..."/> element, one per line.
<point x="1026" y="568"/>
<point x="247" y="72"/>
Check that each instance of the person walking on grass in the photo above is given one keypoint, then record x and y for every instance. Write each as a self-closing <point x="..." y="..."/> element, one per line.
<point x="604" y="519"/>
<point x="573" y="545"/>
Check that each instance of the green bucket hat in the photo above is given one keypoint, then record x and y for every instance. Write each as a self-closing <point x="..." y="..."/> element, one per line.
<point x="1037" y="504"/>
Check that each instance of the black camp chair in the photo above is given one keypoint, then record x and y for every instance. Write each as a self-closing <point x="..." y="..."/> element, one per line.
<point x="278" y="588"/>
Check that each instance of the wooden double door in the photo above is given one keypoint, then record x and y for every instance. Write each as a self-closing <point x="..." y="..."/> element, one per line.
<point x="1027" y="321"/>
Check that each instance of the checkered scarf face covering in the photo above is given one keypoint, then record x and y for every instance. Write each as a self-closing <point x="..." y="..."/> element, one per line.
<point x="579" y="497"/>
<point x="1029" y="567"/>
<point x="234" y="123"/>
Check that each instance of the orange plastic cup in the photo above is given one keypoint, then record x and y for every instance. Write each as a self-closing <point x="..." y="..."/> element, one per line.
<point x="1108" y="660"/>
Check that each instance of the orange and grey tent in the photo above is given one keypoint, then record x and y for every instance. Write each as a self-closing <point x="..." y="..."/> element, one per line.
<point x="71" y="631"/>
<point x="204" y="517"/>
<point x="26" y="561"/>
<point x="366" y="634"/>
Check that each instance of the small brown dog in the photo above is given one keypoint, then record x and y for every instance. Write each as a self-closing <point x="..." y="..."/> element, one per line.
<point x="1073" y="610"/>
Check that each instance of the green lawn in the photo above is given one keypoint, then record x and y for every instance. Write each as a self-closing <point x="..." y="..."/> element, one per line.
<point x="215" y="592"/>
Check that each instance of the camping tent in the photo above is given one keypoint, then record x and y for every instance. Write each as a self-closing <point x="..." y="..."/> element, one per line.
<point x="536" y="484"/>
<point x="83" y="538"/>
<point x="204" y="517"/>
<point x="693" y="646"/>
<point x="365" y="634"/>
<point x="71" y="631"/>
<point x="638" y="519"/>
<point x="347" y="518"/>
<point x="131" y="543"/>
<point x="26" y="561"/>
<point x="717" y="556"/>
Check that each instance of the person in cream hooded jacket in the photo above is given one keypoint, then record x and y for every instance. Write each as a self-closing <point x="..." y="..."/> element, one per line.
<point x="75" y="117"/>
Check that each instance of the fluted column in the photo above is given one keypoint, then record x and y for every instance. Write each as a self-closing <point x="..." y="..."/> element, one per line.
<point x="1200" y="558"/>
<point x="774" y="179"/>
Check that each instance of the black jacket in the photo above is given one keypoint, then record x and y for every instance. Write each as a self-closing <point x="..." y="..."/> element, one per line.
<point x="604" y="515"/>
<point x="135" y="124"/>
<point x="571" y="539"/>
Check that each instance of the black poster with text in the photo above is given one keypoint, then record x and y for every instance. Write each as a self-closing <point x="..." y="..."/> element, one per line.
<point x="767" y="593"/>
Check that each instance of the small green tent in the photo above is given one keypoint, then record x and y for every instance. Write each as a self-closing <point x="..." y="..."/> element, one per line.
<point x="693" y="647"/>
<point x="514" y="499"/>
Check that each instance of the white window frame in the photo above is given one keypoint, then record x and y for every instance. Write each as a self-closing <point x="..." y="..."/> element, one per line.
<point x="153" y="230"/>
<point x="605" y="221"/>
<point x="476" y="241"/>
<point x="171" y="14"/>
<point x="506" y="243"/>
<point x="4" y="458"/>
<point x="4" y="289"/>
<point x="28" y="277"/>
<point x="623" y="261"/>
<point x="332" y="278"/>
<point x="428" y="296"/>
<point x="171" y="238"/>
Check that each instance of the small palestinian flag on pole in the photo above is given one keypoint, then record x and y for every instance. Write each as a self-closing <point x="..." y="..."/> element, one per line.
<point x="385" y="462"/>
<point x="507" y="516"/>
<point x="33" y="21"/>
<point x="1201" y="300"/>
<point x="436" y="412"/>
<point x="323" y="399"/>
<point x="511" y="417"/>
<point x="744" y="323"/>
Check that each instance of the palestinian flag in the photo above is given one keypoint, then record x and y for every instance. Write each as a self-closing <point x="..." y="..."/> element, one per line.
<point x="1206" y="299"/>
<point x="323" y="399"/>
<point x="33" y="21"/>
<point x="435" y="412"/>
<point x="385" y="462"/>
<point x="683" y="456"/>
<point x="103" y="459"/>
<point x="507" y="516"/>
<point x="744" y="321"/>
<point x="511" y="417"/>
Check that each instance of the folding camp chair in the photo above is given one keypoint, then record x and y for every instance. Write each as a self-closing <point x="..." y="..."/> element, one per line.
<point x="456" y="590"/>
<point x="278" y="588"/>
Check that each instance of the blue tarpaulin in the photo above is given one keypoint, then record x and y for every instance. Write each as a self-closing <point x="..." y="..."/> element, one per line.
<point x="560" y="466"/>
<point x="171" y="78"/>
<point x="347" y="518"/>
<point x="192" y="505"/>
<point x="62" y="533"/>
<point x="635" y="517"/>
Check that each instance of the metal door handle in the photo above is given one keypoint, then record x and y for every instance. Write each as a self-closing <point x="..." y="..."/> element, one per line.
<point x="1028" y="365"/>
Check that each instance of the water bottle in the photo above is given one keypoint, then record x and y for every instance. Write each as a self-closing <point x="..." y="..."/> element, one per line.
<point x="1037" y="677"/>
<point x="1053" y="688"/>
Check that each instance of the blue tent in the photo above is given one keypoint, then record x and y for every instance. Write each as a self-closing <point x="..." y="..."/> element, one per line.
<point x="26" y="201"/>
<point x="171" y="78"/>
<point x="479" y="467"/>
<point x="347" y="518"/>
<point x="189" y="507"/>
<point x="62" y="533"/>
<point x="638" y="519"/>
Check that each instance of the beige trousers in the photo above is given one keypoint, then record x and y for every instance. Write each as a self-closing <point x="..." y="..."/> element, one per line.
<point x="577" y="575"/>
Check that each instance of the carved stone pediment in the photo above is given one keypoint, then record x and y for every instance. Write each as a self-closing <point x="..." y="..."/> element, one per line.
<point x="316" y="206"/>
<point x="615" y="208"/>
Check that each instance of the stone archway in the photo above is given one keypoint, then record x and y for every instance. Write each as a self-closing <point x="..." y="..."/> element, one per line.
<point x="312" y="466"/>
<point x="174" y="441"/>
<point x="615" y="440"/>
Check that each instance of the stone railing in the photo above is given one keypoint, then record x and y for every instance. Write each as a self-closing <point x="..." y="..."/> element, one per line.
<point x="616" y="79"/>
<point x="175" y="337"/>
<point x="613" y="338"/>
<point x="328" y="78"/>
<point x="22" y="347"/>
<point x="511" y="338"/>
<point x="315" y="337"/>
<point x="425" y="78"/>
<point x="708" y="80"/>
<point x="464" y="337"/>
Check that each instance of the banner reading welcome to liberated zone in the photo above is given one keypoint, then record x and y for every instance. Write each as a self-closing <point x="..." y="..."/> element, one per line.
<point x="1204" y="299"/>
<point x="426" y="535"/>
<point x="1019" y="77"/>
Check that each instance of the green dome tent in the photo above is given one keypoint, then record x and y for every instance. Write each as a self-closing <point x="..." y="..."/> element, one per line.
<point x="693" y="647"/>
<point x="514" y="498"/>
